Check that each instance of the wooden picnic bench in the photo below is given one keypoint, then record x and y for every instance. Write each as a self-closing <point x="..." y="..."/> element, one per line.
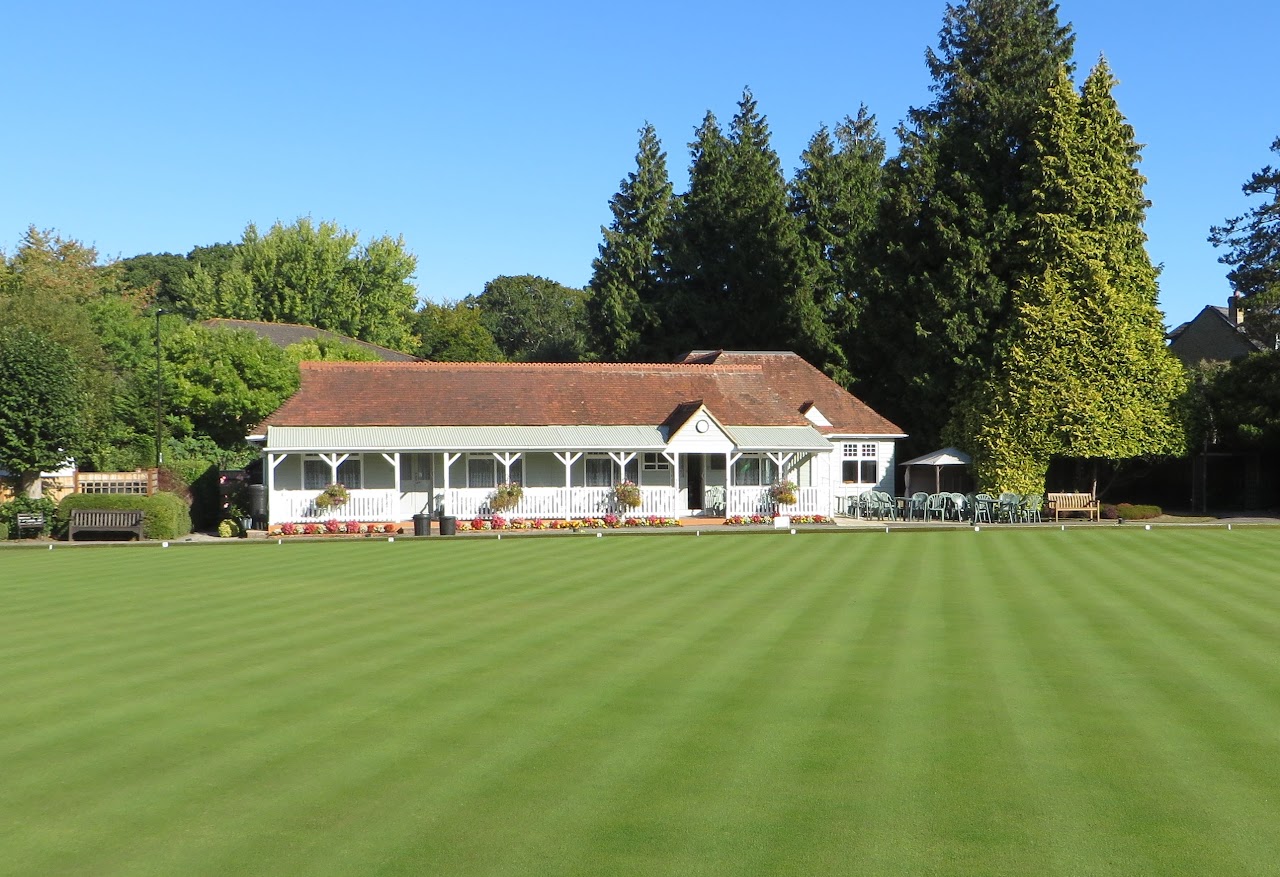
<point x="1074" y="503"/>
<point x="105" y="521"/>
<point x="29" y="521"/>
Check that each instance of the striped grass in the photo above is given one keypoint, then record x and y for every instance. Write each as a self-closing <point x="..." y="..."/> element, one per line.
<point x="1022" y="701"/>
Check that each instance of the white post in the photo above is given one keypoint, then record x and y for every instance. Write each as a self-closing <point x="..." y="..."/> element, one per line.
<point x="622" y="459"/>
<point x="273" y="460"/>
<point x="568" y="458"/>
<point x="449" y="460"/>
<point x="506" y="459"/>
<point x="334" y="461"/>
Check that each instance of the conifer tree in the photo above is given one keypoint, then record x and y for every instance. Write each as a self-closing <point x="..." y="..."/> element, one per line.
<point x="739" y="276"/>
<point x="957" y="202"/>
<point x="835" y="195"/>
<point x="1253" y="250"/>
<point x="621" y="311"/>
<point x="1082" y="368"/>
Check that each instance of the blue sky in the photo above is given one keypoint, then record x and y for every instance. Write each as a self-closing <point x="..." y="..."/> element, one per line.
<point x="491" y="137"/>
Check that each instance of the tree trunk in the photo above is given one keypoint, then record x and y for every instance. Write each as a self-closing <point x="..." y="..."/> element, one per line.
<point x="31" y="485"/>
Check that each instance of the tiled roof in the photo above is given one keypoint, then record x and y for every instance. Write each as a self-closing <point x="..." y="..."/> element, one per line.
<point x="803" y="385"/>
<point x="740" y="390"/>
<point x="284" y="334"/>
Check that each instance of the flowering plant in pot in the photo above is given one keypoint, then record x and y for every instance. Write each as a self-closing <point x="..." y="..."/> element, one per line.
<point x="783" y="492"/>
<point x="627" y="494"/>
<point x="506" y="496"/>
<point x="332" y="497"/>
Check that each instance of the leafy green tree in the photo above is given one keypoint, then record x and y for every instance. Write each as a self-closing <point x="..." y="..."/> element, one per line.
<point x="626" y="276"/>
<point x="949" y="237"/>
<point x="315" y="275"/>
<point x="1083" y="370"/>
<point x="1253" y="250"/>
<point x="835" y="195"/>
<point x="220" y="382"/>
<point x="54" y="287"/>
<point x="739" y="276"/>
<point x="43" y="406"/>
<point x="455" y="332"/>
<point x="329" y="350"/>
<point x="534" y="319"/>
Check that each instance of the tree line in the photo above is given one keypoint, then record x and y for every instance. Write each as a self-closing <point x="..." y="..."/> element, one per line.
<point x="986" y="285"/>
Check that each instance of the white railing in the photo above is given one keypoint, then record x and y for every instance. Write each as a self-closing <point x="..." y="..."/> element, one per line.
<point x="756" y="501"/>
<point x="560" y="502"/>
<point x="373" y="506"/>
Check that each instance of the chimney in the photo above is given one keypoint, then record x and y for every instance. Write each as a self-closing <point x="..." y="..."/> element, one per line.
<point x="1234" y="310"/>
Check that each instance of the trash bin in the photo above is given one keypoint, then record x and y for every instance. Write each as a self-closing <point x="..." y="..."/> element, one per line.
<point x="422" y="525"/>
<point x="448" y="525"/>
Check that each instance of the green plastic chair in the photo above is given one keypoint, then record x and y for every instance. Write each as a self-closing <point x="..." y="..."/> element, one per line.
<point x="1032" y="505"/>
<point x="917" y="505"/>
<point x="984" y="506"/>
<point x="1010" y="507"/>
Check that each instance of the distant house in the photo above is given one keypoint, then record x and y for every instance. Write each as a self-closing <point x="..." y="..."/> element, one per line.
<point x="284" y="334"/>
<point x="709" y="434"/>
<point x="1215" y="334"/>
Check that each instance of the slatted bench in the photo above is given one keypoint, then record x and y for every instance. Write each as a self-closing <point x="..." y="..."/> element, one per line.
<point x="105" y="521"/>
<point x="1074" y="503"/>
<point x="29" y="521"/>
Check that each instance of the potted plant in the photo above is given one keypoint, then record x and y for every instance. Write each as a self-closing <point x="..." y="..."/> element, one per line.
<point x="783" y="492"/>
<point x="332" y="497"/>
<point x="506" y="496"/>
<point x="627" y="494"/>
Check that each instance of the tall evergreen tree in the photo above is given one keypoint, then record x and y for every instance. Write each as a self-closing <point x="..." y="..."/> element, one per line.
<point x="835" y="195"/>
<point x="626" y="275"/>
<point x="1083" y="370"/>
<point x="956" y="206"/>
<point x="738" y="269"/>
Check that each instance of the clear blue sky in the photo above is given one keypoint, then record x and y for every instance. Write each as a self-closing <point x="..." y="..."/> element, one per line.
<point x="491" y="135"/>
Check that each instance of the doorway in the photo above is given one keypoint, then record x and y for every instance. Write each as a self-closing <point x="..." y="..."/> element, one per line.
<point x="695" y="478"/>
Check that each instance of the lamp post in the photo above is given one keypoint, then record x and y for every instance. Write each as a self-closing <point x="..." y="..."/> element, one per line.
<point x="159" y="388"/>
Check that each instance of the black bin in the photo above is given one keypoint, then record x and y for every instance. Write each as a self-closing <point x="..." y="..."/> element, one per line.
<point x="448" y="525"/>
<point x="422" y="525"/>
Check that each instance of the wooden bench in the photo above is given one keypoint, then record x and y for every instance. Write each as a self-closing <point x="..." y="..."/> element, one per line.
<point x="1074" y="503"/>
<point x="105" y="521"/>
<point x="29" y="521"/>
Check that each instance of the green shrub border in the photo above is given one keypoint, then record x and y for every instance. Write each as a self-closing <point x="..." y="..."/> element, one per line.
<point x="164" y="515"/>
<point x="1131" y="511"/>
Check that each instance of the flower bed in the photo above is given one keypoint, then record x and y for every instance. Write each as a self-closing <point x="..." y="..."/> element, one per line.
<point x="607" y="522"/>
<point x="333" y="527"/>
<point x="748" y="520"/>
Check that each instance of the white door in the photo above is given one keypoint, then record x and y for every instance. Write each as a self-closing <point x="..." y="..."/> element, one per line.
<point x="415" y="485"/>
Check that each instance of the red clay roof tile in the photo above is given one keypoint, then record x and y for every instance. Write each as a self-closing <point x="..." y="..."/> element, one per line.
<point x="740" y="389"/>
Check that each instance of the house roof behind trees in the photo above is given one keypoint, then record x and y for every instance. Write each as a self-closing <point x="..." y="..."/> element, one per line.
<point x="284" y="334"/>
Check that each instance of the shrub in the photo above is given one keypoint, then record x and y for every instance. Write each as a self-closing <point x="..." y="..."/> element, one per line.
<point x="1131" y="511"/>
<point x="9" y="512"/>
<point x="228" y="528"/>
<point x="164" y="515"/>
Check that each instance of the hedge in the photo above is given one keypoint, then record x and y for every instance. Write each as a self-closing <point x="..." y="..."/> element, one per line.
<point x="1131" y="511"/>
<point x="164" y="515"/>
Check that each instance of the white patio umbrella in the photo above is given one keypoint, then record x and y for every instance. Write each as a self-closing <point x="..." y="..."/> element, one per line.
<point x="938" y="459"/>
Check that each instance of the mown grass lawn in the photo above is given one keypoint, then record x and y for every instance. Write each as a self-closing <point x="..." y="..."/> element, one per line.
<point x="1020" y="702"/>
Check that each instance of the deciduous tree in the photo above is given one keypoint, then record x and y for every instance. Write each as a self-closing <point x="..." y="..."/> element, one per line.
<point x="43" y="406"/>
